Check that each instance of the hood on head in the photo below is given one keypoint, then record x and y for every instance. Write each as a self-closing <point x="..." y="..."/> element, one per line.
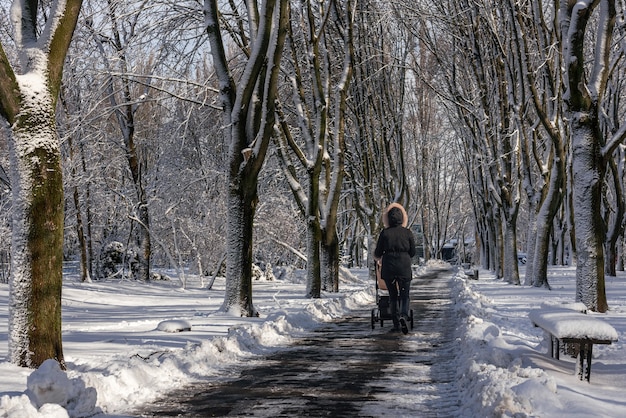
<point x="405" y="219"/>
<point x="395" y="217"/>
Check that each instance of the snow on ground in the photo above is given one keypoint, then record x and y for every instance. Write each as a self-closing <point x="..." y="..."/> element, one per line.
<point x="122" y="346"/>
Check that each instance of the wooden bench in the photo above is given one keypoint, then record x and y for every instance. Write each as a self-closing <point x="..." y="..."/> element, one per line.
<point x="568" y="325"/>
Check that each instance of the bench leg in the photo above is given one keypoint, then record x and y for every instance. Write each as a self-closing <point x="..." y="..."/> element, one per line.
<point x="584" y="356"/>
<point x="580" y="363"/>
<point x="554" y="347"/>
<point x="589" y="355"/>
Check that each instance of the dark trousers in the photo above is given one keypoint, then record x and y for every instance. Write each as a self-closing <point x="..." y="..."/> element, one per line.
<point x="398" y="298"/>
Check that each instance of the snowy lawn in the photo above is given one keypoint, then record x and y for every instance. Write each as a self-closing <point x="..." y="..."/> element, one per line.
<point x="123" y="346"/>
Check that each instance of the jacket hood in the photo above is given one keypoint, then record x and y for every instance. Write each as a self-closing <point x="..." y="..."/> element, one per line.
<point x="386" y="221"/>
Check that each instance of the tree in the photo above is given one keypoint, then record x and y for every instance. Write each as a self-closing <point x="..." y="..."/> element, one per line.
<point x="125" y="106"/>
<point x="28" y="98"/>
<point x="313" y="105"/>
<point x="435" y="173"/>
<point x="248" y="107"/>
<point x="584" y="92"/>
<point x="376" y="173"/>
<point x="482" y="88"/>
<point x="542" y="144"/>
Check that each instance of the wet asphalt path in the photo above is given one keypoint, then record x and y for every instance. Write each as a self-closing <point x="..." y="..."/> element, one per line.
<point x="344" y="369"/>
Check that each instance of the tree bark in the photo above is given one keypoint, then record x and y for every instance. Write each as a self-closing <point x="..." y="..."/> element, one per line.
<point x="583" y="100"/>
<point x="511" y="271"/>
<point x="242" y="201"/>
<point x="28" y="102"/>
<point x="588" y="179"/>
<point x="37" y="243"/>
<point x="330" y="261"/>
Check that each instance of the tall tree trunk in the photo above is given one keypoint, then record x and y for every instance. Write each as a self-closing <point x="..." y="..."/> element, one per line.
<point x="82" y="242"/>
<point x="614" y="219"/>
<point x="314" y="233"/>
<point x="37" y="239"/>
<point x="539" y="267"/>
<point x="550" y="202"/>
<point x="89" y="236"/>
<point x="28" y="102"/>
<point x="242" y="201"/>
<point x="588" y="179"/>
<point x="330" y="261"/>
<point x="583" y="99"/>
<point x="80" y="228"/>
<point x="511" y="271"/>
<point x="531" y="239"/>
<point x="620" y="254"/>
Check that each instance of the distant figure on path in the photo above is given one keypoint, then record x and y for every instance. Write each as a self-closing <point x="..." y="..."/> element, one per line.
<point x="395" y="249"/>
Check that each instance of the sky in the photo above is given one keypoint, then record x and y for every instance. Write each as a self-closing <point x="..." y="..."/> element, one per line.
<point x="120" y="351"/>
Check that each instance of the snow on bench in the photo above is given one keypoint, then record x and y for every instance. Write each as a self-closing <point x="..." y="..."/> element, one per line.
<point x="571" y="325"/>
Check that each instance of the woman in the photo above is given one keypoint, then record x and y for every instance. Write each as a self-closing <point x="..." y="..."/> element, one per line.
<point x="395" y="248"/>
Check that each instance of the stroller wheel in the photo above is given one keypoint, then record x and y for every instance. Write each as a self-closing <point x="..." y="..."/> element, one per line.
<point x="373" y="319"/>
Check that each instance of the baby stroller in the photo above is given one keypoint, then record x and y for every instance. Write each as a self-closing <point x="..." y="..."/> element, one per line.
<point x="383" y="310"/>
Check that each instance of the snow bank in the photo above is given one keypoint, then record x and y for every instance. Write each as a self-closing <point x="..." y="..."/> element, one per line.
<point x="490" y="370"/>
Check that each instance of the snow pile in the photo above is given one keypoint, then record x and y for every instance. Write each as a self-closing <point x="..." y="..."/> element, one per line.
<point x="490" y="369"/>
<point x="174" y="325"/>
<point x="51" y="393"/>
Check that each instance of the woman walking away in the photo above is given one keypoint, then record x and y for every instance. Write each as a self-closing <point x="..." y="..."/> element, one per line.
<point x="395" y="249"/>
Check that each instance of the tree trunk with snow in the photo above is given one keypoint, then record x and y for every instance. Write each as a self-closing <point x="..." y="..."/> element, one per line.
<point x="248" y="107"/>
<point x="510" y="268"/>
<point x="37" y="243"/>
<point x="314" y="233"/>
<point x="330" y="262"/>
<point x="27" y="102"/>
<point x="538" y="270"/>
<point x="614" y="218"/>
<point x="242" y="201"/>
<point x="583" y="100"/>
<point x="588" y="179"/>
<point x="550" y="201"/>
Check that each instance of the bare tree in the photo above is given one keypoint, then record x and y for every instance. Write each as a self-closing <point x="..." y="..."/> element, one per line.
<point x="375" y="153"/>
<point x="28" y="97"/>
<point x="125" y="102"/>
<point x="76" y="162"/>
<point x="322" y="133"/>
<point x="542" y="144"/>
<point x="434" y="174"/>
<point x="248" y="107"/>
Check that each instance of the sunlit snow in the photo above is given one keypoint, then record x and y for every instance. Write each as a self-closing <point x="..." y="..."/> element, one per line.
<point x="118" y="355"/>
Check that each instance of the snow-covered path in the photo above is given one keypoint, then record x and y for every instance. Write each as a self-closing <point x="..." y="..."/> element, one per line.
<point x="344" y="369"/>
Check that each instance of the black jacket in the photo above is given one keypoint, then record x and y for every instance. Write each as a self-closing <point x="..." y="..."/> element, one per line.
<point x="396" y="246"/>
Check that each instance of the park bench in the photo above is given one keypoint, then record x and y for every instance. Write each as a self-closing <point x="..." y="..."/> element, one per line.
<point x="570" y="324"/>
<point x="472" y="274"/>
